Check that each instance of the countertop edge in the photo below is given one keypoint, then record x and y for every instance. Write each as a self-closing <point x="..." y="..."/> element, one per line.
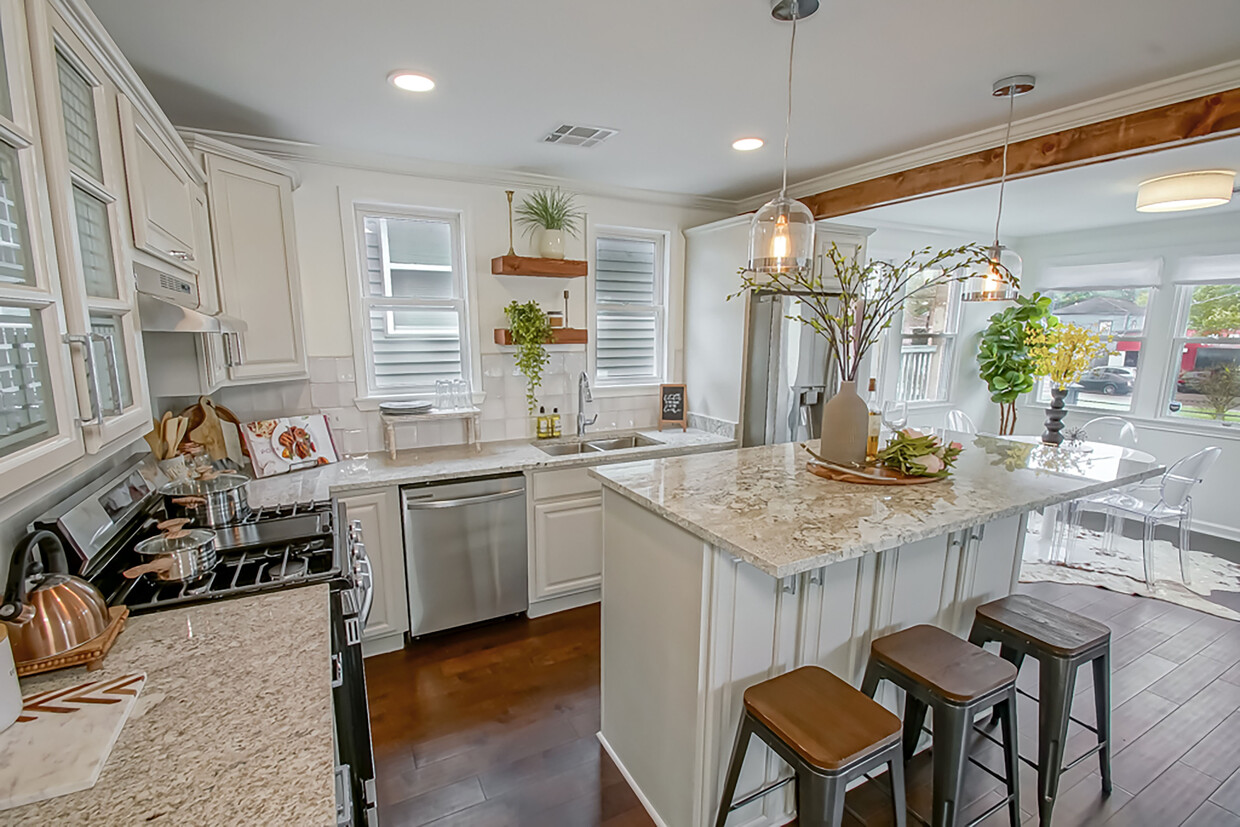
<point x="899" y="539"/>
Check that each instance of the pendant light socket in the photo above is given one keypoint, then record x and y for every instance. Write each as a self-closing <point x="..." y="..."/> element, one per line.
<point x="1014" y="86"/>
<point x="782" y="10"/>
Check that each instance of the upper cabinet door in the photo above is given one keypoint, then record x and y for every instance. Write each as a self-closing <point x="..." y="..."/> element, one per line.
<point x="162" y="193"/>
<point x="256" y="262"/>
<point x="38" y="431"/>
<point x="78" y="111"/>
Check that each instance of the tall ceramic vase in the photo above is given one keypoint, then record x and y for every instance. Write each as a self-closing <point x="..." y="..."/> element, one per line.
<point x="551" y="244"/>
<point x="845" y="426"/>
<point x="1054" y="418"/>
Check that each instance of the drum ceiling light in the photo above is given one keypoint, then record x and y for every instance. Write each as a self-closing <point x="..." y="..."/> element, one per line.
<point x="1186" y="191"/>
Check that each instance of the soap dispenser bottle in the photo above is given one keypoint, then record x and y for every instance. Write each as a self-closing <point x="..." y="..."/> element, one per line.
<point x="544" y="424"/>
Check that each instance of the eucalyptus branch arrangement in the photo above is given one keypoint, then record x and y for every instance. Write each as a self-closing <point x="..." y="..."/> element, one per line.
<point x="550" y="209"/>
<point x="530" y="331"/>
<point x="851" y="305"/>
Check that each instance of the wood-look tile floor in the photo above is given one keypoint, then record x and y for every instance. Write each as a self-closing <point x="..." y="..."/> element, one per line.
<point x="495" y="726"/>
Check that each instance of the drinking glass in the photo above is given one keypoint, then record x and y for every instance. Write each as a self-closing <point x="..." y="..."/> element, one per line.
<point x="895" y="414"/>
<point x="461" y="397"/>
<point x="443" y="394"/>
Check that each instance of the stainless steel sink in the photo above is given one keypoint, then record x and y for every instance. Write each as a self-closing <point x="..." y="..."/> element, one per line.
<point x="596" y="446"/>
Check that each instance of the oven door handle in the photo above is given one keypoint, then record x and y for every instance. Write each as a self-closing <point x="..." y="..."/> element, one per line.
<point x="366" y="578"/>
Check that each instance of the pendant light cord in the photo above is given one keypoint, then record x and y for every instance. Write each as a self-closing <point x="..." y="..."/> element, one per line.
<point x="1007" y="138"/>
<point x="792" y="48"/>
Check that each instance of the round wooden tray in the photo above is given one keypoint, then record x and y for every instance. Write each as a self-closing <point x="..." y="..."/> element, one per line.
<point x="875" y="475"/>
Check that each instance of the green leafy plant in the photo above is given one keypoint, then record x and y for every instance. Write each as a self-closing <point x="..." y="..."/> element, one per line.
<point x="550" y="209"/>
<point x="1221" y="388"/>
<point x="919" y="455"/>
<point x="850" y="304"/>
<point x="530" y="331"/>
<point x="1003" y="360"/>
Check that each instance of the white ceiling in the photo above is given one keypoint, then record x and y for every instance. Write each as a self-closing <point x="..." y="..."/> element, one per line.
<point x="679" y="79"/>
<point x="1098" y="195"/>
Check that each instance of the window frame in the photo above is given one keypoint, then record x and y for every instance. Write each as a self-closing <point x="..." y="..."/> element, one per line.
<point x="951" y="337"/>
<point x="661" y="239"/>
<point x="362" y="302"/>
<point x="1171" y="372"/>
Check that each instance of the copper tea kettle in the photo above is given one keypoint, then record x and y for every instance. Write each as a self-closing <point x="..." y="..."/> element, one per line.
<point x="48" y="611"/>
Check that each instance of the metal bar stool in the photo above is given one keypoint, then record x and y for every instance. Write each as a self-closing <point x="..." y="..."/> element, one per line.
<point x="828" y="732"/>
<point x="957" y="680"/>
<point x="1061" y="641"/>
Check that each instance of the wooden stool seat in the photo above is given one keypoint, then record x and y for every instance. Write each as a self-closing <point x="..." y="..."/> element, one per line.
<point x="825" y="720"/>
<point x="1055" y="630"/>
<point x="949" y="667"/>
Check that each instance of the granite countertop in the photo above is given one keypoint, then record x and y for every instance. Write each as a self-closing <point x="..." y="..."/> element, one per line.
<point x="458" y="461"/>
<point x="761" y="505"/>
<point x="234" y="725"/>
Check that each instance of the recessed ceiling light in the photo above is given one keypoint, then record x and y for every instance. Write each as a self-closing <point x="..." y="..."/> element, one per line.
<point x="411" y="81"/>
<point x="1186" y="191"/>
<point x="747" y="144"/>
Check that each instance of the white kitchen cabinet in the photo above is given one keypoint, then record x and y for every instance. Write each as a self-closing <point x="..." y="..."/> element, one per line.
<point x="164" y="191"/>
<point x="39" y="432"/>
<point x="379" y="512"/>
<point x="80" y="126"/>
<point x="250" y="201"/>
<point x="566" y="540"/>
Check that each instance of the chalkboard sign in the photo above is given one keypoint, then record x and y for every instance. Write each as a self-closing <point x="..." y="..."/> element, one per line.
<point x="672" y="406"/>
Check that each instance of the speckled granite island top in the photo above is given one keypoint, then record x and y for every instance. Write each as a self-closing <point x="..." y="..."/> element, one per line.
<point x="763" y="506"/>
<point x="234" y="725"/>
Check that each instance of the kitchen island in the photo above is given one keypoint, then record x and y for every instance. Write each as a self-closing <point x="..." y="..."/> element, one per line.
<point x="233" y="726"/>
<point x="722" y="570"/>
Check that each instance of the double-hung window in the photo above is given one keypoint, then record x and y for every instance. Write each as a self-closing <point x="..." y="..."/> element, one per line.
<point x="629" y="307"/>
<point x="1110" y="299"/>
<point x="928" y="329"/>
<point x="1206" y="352"/>
<point x="414" y="318"/>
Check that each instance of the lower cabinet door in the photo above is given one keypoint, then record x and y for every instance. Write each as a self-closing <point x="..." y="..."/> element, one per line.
<point x="568" y="545"/>
<point x="379" y="512"/>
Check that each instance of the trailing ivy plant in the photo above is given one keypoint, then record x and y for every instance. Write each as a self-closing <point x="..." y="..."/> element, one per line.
<point x="1003" y="359"/>
<point x="530" y="331"/>
<point x="550" y="209"/>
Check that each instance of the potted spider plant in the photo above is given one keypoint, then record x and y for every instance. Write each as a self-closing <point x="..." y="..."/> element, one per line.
<point x="554" y="213"/>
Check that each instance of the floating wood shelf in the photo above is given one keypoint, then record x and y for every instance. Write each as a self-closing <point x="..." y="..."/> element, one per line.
<point x="559" y="336"/>
<point x="554" y="268"/>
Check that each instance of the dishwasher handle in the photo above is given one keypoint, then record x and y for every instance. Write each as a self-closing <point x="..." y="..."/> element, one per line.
<point x="459" y="501"/>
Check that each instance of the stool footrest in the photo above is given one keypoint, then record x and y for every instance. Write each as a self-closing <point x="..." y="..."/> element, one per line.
<point x="1094" y="750"/>
<point x="1071" y="718"/>
<point x="736" y="805"/>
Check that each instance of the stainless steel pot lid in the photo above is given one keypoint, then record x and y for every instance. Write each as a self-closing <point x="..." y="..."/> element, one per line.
<point x="192" y="539"/>
<point x="200" y="488"/>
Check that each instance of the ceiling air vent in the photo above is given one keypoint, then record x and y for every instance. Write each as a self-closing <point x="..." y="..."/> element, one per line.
<point x="582" y="136"/>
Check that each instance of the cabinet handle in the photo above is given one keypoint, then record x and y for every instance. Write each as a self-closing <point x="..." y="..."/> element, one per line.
<point x="181" y="255"/>
<point x="114" y="376"/>
<point x="92" y="376"/>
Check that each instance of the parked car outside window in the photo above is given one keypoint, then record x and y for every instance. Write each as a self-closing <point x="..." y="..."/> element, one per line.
<point x="1109" y="380"/>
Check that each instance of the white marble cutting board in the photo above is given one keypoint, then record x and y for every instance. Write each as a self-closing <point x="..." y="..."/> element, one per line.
<point x="63" y="738"/>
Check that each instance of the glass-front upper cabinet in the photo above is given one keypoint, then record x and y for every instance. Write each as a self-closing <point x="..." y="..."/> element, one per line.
<point x="38" y="408"/>
<point x="78" y="105"/>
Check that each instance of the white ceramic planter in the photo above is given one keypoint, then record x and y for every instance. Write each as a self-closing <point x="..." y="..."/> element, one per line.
<point x="551" y="244"/>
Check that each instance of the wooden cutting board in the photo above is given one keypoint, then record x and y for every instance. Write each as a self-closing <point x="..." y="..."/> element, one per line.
<point x="63" y="738"/>
<point x="878" y="475"/>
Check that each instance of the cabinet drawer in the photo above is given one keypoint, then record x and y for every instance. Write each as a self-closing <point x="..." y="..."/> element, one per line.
<point x="572" y="482"/>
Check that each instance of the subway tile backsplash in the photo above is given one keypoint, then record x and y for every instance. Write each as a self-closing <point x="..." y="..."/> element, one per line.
<point x="331" y="390"/>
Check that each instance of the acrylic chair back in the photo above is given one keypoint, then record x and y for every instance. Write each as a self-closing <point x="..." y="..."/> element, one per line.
<point x="958" y="420"/>
<point x="1178" y="481"/>
<point x="1113" y="430"/>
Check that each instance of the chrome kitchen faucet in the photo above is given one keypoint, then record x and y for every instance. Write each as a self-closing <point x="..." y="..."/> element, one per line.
<point x="584" y="396"/>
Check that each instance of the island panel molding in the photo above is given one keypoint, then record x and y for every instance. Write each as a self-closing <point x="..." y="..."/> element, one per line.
<point x="1209" y="117"/>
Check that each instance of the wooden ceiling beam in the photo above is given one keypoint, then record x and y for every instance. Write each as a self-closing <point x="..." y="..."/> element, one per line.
<point x="1209" y="117"/>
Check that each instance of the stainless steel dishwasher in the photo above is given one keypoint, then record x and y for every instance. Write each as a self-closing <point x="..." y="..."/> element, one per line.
<point x="465" y="551"/>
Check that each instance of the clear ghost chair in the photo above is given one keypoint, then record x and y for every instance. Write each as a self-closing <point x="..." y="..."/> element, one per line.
<point x="958" y="420"/>
<point x="1112" y="430"/>
<point x="1169" y="502"/>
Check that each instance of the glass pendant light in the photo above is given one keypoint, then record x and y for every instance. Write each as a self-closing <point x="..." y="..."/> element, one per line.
<point x="781" y="235"/>
<point x="989" y="283"/>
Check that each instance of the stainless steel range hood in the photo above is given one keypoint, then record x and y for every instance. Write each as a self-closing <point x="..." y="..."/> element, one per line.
<point x="167" y="303"/>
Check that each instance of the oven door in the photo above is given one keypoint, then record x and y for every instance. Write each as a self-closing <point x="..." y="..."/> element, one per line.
<point x="356" y="802"/>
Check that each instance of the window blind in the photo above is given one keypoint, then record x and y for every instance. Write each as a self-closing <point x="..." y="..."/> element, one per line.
<point x="412" y="345"/>
<point x="1101" y="276"/>
<point x="1204" y="269"/>
<point x="628" y="310"/>
<point x="77" y="103"/>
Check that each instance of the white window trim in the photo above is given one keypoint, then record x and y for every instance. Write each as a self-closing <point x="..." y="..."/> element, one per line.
<point x="1171" y="373"/>
<point x="662" y="240"/>
<point x="894" y="346"/>
<point x="369" y="397"/>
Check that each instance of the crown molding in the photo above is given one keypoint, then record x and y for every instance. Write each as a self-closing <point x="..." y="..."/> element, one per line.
<point x="1150" y="96"/>
<point x="301" y="151"/>
<point x="202" y="141"/>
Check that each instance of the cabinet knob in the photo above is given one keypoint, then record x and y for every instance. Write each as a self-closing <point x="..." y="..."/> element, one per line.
<point x="181" y="255"/>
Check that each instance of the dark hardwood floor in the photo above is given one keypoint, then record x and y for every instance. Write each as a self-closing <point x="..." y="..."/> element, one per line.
<point x="495" y="726"/>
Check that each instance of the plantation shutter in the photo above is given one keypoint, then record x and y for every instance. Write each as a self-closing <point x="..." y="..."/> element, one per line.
<point x="628" y="312"/>
<point x="415" y="312"/>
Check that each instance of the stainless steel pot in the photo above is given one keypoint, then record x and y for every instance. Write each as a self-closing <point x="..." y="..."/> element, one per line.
<point x="177" y="557"/>
<point x="209" y="503"/>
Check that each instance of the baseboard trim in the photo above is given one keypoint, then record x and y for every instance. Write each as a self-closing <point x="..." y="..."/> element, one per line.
<point x="383" y="645"/>
<point x="628" y="779"/>
<point x="564" y="602"/>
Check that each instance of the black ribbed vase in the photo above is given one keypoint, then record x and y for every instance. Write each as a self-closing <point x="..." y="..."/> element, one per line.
<point x="1054" y="418"/>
